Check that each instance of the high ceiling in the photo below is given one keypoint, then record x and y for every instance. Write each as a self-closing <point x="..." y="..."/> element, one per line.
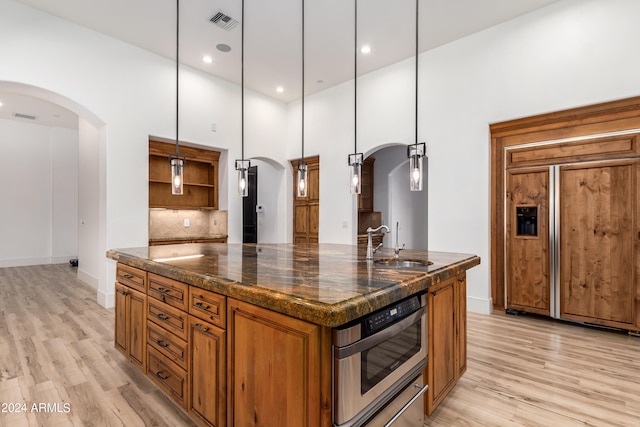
<point x="272" y="48"/>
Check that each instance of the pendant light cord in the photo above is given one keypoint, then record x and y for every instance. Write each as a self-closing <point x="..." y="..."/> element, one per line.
<point x="302" y="81"/>
<point x="416" y="100"/>
<point x="242" y="85"/>
<point x="177" y="70"/>
<point x="355" y="76"/>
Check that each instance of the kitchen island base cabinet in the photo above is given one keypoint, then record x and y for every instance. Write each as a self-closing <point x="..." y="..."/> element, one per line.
<point x="208" y="373"/>
<point x="130" y="315"/>
<point x="275" y="371"/>
<point x="446" y="339"/>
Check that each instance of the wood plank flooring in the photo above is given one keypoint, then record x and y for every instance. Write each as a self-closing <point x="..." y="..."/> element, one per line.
<point x="56" y="351"/>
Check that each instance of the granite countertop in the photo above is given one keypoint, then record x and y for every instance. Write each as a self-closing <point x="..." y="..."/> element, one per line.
<point x="326" y="284"/>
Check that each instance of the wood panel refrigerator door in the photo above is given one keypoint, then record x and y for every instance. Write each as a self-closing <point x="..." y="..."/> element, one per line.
<point x="527" y="241"/>
<point x="598" y="210"/>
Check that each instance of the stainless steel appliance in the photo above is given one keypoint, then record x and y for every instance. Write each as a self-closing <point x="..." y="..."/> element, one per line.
<point x="377" y="367"/>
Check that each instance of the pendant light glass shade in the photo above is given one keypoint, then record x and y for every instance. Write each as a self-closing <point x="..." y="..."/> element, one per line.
<point x="242" y="166"/>
<point x="415" y="152"/>
<point x="355" y="173"/>
<point x="303" y="182"/>
<point x="177" y="178"/>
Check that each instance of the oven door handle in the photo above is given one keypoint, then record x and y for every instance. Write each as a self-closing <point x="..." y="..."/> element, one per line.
<point x="423" y="389"/>
<point x="379" y="337"/>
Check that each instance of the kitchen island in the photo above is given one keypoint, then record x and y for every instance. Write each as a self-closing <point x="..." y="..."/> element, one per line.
<point x="241" y="334"/>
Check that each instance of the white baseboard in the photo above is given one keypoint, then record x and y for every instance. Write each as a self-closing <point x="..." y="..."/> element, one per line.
<point x="24" y="262"/>
<point x="479" y="305"/>
<point x="63" y="259"/>
<point x="106" y="300"/>
<point x="88" y="279"/>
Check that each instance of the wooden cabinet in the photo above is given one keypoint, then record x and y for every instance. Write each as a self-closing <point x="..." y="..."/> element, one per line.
<point x="276" y="374"/>
<point x="306" y="210"/>
<point x="208" y="362"/>
<point x="207" y="369"/>
<point x="200" y="177"/>
<point x="171" y="378"/>
<point x="130" y="315"/>
<point x="168" y="349"/>
<point x="365" y="198"/>
<point x="446" y="339"/>
<point x="527" y="242"/>
<point x="599" y="234"/>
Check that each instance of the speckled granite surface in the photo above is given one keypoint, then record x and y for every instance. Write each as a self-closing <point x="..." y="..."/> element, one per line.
<point x="326" y="284"/>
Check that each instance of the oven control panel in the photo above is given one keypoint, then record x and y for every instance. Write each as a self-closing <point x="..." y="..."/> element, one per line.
<point x="391" y="314"/>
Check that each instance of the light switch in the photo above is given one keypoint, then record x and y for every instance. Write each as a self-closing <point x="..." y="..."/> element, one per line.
<point x="186" y="222"/>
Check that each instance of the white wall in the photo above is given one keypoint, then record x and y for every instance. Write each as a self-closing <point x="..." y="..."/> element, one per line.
<point x="271" y="195"/>
<point x="127" y="94"/>
<point x="39" y="195"/>
<point x="65" y="194"/>
<point x="88" y="203"/>
<point x="570" y="54"/>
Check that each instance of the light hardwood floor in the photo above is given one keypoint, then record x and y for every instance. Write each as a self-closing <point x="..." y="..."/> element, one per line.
<point x="56" y="348"/>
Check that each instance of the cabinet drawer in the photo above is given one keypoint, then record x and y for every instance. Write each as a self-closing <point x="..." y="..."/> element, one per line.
<point x="168" y="290"/>
<point x="168" y="344"/>
<point x="170" y="318"/>
<point x="208" y="306"/>
<point x="171" y="378"/>
<point x="132" y="277"/>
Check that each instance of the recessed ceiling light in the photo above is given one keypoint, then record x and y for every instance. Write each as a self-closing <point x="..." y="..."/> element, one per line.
<point x="279" y="89"/>
<point x="365" y="49"/>
<point x="223" y="47"/>
<point x="207" y="59"/>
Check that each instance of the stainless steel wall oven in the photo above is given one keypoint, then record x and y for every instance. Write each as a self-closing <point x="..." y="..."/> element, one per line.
<point x="377" y="366"/>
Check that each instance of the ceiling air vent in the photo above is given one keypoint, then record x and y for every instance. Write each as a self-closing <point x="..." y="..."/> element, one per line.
<point x="223" y="21"/>
<point x="24" y="116"/>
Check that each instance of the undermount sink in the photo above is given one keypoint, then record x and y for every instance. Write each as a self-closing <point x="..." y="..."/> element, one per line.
<point x="402" y="263"/>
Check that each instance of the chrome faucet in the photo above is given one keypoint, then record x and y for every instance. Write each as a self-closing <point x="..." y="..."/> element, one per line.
<point x="370" y="249"/>
<point x="397" y="248"/>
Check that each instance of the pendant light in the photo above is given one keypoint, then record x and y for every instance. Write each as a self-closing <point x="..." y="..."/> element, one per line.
<point x="416" y="151"/>
<point x="356" y="159"/>
<point x="175" y="161"/>
<point x="302" y="183"/>
<point x="242" y="165"/>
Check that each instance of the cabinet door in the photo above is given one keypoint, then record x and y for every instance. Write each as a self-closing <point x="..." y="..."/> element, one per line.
<point x="274" y="376"/>
<point x="208" y="374"/>
<point x="441" y="368"/>
<point x="527" y="240"/>
<point x="598" y="238"/>
<point x="137" y="302"/>
<point x="461" y="324"/>
<point x="121" y="339"/>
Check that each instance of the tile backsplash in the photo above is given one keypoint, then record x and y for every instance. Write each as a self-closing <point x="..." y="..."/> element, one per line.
<point x="170" y="223"/>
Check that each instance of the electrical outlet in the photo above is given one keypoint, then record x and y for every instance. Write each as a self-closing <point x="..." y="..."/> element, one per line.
<point x="186" y="222"/>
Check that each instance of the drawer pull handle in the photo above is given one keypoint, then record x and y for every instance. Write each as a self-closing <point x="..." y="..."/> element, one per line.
<point x="162" y="290"/>
<point x="162" y="316"/>
<point x="160" y="375"/>
<point x="162" y="344"/>
<point x="128" y="276"/>
<point x="203" y="329"/>
<point x="202" y="306"/>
